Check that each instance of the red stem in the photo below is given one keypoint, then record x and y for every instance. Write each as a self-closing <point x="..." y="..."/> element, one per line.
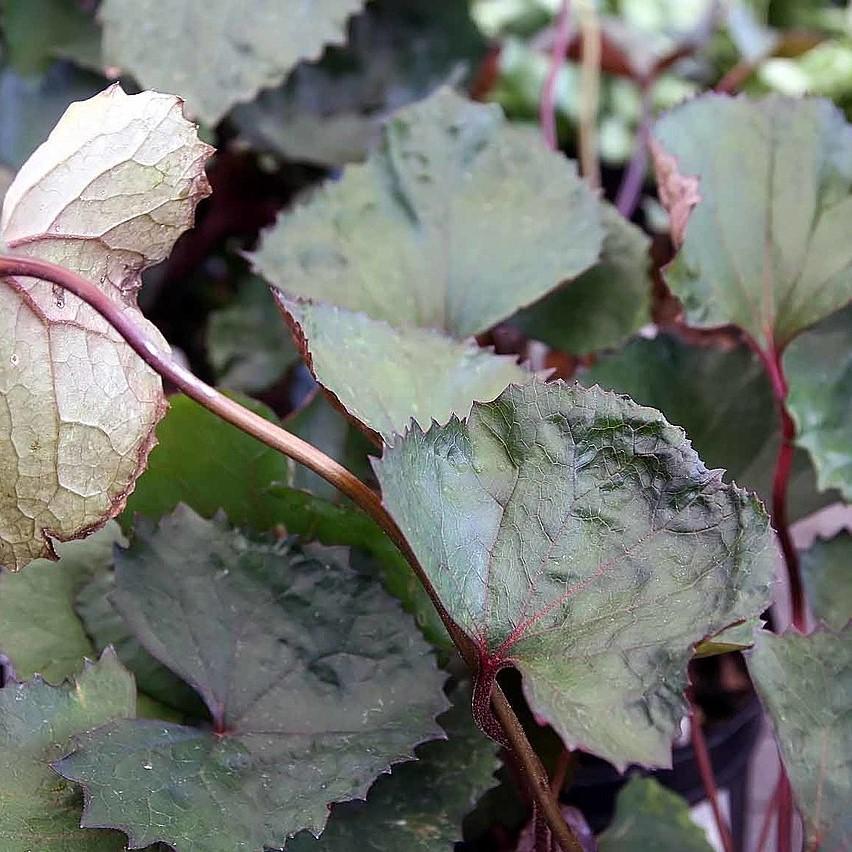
<point x="780" y="483"/>
<point x="784" y="842"/>
<point x="771" y="809"/>
<point x="708" y="779"/>
<point x="547" y="105"/>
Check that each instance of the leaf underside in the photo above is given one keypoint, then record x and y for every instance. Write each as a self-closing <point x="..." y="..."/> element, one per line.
<point x="827" y="575"/>
<point x="106" y="196"/>
<point x="314" y="677"/>
<point x="577" y="536"/>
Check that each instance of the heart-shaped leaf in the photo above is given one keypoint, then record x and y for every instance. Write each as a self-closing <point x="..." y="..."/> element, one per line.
<point x="648" y="816"/>
<point x="577" y="536"/>
<point x="315" y="679"/>
<point x="37" y="809"/>
<point x="604" y="306"/>
<point x="818" y="366"/>
<point x="805" y="683"/>
<point x="420" y="806"/>
<point x="478" y="218"/>
<point x="723" y="400"/>
<point x="235" y="50"/>
<point x="398" y="51"/>
<point x="827" y="575"/>
<point x="39" y="630"/>
<point x="107" y="195"/>
<point x="759" y="197"/>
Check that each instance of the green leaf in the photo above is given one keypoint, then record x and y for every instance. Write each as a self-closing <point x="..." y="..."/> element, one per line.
<point x="321" y="424"/>
<point x="315" y="680"/>
<point x="385" y="376"/>
<point x="248" y="345"/>
<point x="31" y="106"/>
<point x="577" y="536"/>
<point x="397" y="52"/>
<point x="37" y="31"/>
<point x="209" y="464"/>
<point x="37" y="809"/>
<point x="737" y="637"/>
<point x="39" y="629"/>
<point x="419" y="807"/>
<point x="604" y="306"/>
<point x="759" y="194"/>
<point x="827" y="575"/>
<point x="804" y="683"/>
<point x="235" y="51"/>
<point x="819" y="373"/>
<point x="478" y="218"/>
<point x="648" y="816"/>
<point x="107" y="628"/>
<point x="79" y="405"/>
<point x="332" y="524"/>
<point x="722" y="399"/>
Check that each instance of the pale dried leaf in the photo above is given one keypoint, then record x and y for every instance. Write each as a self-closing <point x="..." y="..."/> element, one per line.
<point x="106" y="196"/>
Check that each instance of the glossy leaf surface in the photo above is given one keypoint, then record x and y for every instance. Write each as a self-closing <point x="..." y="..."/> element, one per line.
<point x="315" y="680"/>
<point x="577" y="536"/>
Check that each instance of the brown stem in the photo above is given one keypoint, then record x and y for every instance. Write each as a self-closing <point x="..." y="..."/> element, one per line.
<point x="590" y="79"/>
<point x="321" y="464"/>
<point x="708" y="779"/>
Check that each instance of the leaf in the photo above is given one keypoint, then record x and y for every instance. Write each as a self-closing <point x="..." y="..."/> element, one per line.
<point x="384" y="376"/>
<point x="107" y="195"/>
<point x="805" y="683"/>
<point x="648" y="816"/>
<point x="722" y="399"/>
<point x="330" y="112"/>
<point x="248" y="346"/>
<point x="577" y="536"/>
<point x="827" y="575"/>
<point x="39" y="629"/>
<point x="332" y="524"/>
<point x="107" y="628"/>
<point x="818" y="366"/>
<point x="37" y="31"/>
<point x="477" y="218"/>
<point x="209" y="464"/>
<point x="759" y="194"/>
<point x="38" y="810"/>
<point x="604" y="306"/>
<point x="31" y="106"/>
<point x="314" y="678"/>
<point x="235" y="51"/>
<point x="419" y="807"/>
<point x="737" y="637"/>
